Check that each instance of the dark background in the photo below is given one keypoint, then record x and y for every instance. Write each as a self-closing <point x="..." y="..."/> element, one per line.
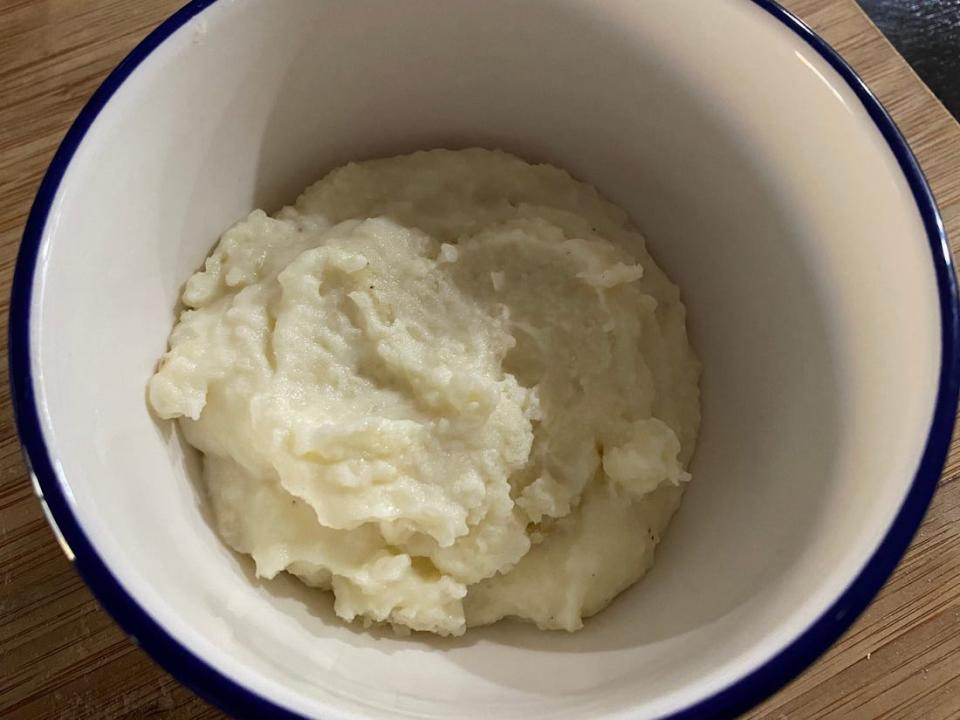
<point x="927" y="34"/>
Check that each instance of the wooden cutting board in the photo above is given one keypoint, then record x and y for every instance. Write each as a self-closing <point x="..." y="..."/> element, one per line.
<point x="62" y="657"/>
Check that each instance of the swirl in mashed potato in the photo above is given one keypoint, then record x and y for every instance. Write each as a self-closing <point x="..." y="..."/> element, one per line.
<point x="450" y="387"/>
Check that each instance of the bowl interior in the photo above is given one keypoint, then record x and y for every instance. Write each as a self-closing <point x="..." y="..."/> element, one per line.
<point x="764" y="190"/>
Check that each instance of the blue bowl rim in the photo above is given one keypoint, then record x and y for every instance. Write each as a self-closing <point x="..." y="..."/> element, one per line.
<point x="242" y="702"/>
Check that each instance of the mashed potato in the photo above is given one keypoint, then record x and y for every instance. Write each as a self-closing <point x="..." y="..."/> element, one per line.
<point x="450" y="387"/>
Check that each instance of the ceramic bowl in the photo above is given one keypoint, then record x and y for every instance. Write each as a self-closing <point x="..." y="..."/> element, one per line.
<point x="771" y="186"/>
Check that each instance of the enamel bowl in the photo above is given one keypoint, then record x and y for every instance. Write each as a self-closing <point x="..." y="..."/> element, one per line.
<point x="771" y="186"/>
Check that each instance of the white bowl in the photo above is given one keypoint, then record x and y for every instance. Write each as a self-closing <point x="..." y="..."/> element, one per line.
<point x="772" y="187"/>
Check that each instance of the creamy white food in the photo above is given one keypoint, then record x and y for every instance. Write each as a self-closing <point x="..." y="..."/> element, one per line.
<point x="450" y="387"/>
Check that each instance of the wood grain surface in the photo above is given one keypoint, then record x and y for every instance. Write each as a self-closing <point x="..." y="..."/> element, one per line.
<point x="62" y="657"/>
